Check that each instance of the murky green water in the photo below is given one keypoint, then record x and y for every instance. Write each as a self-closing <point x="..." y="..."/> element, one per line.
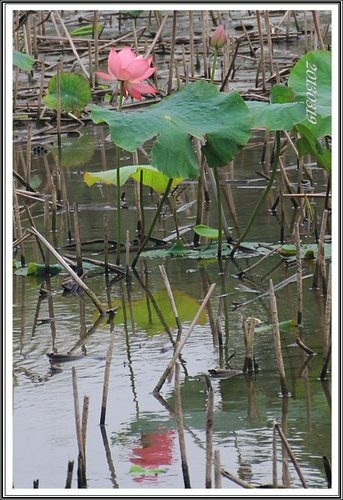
<point x="140" y="430"/>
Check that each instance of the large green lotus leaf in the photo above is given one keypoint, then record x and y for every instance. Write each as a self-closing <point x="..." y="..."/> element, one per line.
<point x="151" y="177"/>
<point x="312" y="76"/>
<point x="221" y="121"/>
<point x="148" y="318"/>
<point x="23" y="61"/>
<point x="75" y="92"/>
<point x="276" y="116"/>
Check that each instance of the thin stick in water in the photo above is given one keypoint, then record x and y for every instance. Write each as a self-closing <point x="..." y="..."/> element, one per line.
<point x="180" y="429"/>
<point x="184" y="340"/>
<point x="277" y="340"/>
<point x="291" y="454"/>
<point x="107" y="376"/>
<point x="209" y="433"/>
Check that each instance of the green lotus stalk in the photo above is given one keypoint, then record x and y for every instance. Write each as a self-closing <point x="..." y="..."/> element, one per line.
<point x="120" y="105"/>
<point x="264" y="194"/>
<point x="217" y="41"/>
<point x="158" y="211"/>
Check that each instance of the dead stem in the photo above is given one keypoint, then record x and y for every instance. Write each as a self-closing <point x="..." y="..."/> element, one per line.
<point x="180" y="428"/>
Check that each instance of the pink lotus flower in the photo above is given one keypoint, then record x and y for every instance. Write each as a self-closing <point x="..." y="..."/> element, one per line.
<point x="219" y="37"/>
<point x="126" y="67"/>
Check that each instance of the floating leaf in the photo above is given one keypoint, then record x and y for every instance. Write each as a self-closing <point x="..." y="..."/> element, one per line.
<point x="207" y="231"/>
<point x="23" y="61"/>
<point x="310" y="79"/>
<point x="151" y="177"/>
<point x="85" y="30"/>
<point x="34" y="269"/>
<point x="221" y="121"/>
<point x="276" y="116"/>
<point x="75" y="92"/>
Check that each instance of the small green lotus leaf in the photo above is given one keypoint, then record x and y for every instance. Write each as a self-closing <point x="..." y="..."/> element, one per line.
<point x="206" y="231"/>
<point x="35" y="269"/>
<point x="85" y="30"/>
<point x="23" y="61"/>
<point x="75" y="92"/>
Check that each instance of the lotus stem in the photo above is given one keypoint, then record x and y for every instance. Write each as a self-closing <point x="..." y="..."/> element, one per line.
<point x="158" y="211"/>
<point x="264" y="194"/>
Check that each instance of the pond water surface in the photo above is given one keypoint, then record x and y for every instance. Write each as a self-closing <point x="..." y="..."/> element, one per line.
<point x="139" y="448"/>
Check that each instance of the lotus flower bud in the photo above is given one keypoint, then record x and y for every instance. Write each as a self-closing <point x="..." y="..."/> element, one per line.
<point x="219" y="37"/>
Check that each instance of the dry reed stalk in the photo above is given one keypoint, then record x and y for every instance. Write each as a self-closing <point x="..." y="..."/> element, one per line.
<point x="184" y="340"/>
<point x="217" y="470"/>
<point x="41" y="91"/>
<point x="158" y="34"/>
<point x="315" y="17"/>
<point x="17" y="229"/>
<point x="172" y="54"/>
<point x="85" y="410"/>
<point x="171" y="299"/>
<point x="180" y="428"/>
<point x="81" y="472"/>
<point x="106" y="243"/>
<point x="96" y="44"/>
<point x="28" y="153"/>
<point x="215" y="182"/>
<point x="248" y="325"/>
<point x="69" y="270"/>
<point x="261" y="64"/>
<point x="236" y="479"/>
<point x="327" y="329"/>
<point x="320" y="270"/>
<point x="46" y="231"/>
<point x="191" y="41"/>
<point x="231" y="67"/>
<point x="205" y="40"/>
<point x="251" y="48"/>
<point x="209" y="433"/>
<point x="58" y="117"/>
<point x="70" y="469"/>
<point x="290" y="454"/>
<point x="72" y="44"/>
<point x="275" y="478"/>
<point x="107" y="375"/>
<point x="77" y="237"/>
<point x="109" y="457"/>
<point x="277" y="340"/>
<point x="269" y="41"/>
<point x="127" y="256"/>
<point x="299" y="275"/>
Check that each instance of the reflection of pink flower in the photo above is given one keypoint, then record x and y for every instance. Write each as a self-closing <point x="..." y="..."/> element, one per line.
<point x="156" y="450"/>
<point x="126" y="67"/>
